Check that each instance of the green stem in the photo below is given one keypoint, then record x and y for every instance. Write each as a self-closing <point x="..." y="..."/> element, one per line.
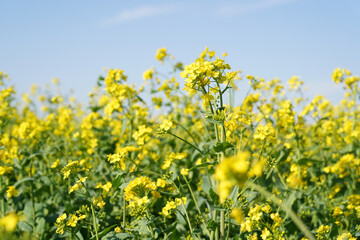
<point x="188" y="143"/>
<point x="124" y="213"/>
<point x="197" y="206"/>
<point x="94" y="221"/>
<point x="131" y="119"/>
<point x="92" y="210"/>
<point x="2" y="199"/>
<point x="212" y="111"/>
<point x="32" y="200"/>
<point x="228" y="230"/>
<point x="221" y="106"/>
<point x="222" y="224"/>
<point x="187" y="131"/>
<point x="221" y="156"/>
<point x="149" y="227"/>
<point x="187" y="217"/>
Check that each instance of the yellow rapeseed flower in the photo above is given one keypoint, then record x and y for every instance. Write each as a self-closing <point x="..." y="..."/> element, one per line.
<point x="11" y="192"/>
<point x="9" y="222"/>
<point x="184" y="171"/>
<point x="161" y="54"/>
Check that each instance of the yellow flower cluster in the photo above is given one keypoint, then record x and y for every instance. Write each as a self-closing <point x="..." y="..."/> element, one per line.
<point x="10" y="221"/>
<point x="344" y="75"/>
<point x="161" y="54"/>
<point x="346" y="236"/>
<point x="74" y="219"/>
<point x="343" y="167"/>
<point x="254" y="221"/>
<point x="60" y="223"/>
<point x="171" y="158"/>
<point x="79" y="215"/>
<point x="98" y="201"/>
<point x="295" y="83"/>
<point x="297" y="173"/>
<point x="136" y="193"/>
<point x="165" y="126"/>
<point x="11" y="192"/>
<point x="197" y="75"/>
<point x="236" y="170"/>
<point x="265" y="132"/>
<point x="172" y="205"/>
<point x="106" y="188"/>
<point x="142" y="135"/>
<point x="5" y="170"/>
<point x="148" y="74"/>
<point x="122" y="153"/>
<point x="73" y="167"/>
<point x="322" y="231"/>
<point x="78" y="185"/>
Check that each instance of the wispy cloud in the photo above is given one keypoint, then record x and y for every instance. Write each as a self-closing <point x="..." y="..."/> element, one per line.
<point x="248" y="7"/>
<point x="138" y="13"/>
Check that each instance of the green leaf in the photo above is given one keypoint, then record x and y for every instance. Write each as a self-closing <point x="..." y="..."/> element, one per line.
<point x="157" y="232"/>
<point x="39" y="209"/>
<point x="25" y="179"/>
<point x="117" y="181"/>
<point x="79" y="236"/>
<point x="143" y="226"/>
<point x="212" y="225"/>
<point x="214" y="195"/>
<point x="28" y="211"/>
<point x="117" y="236"/>
<point x="100" y="79"/>
<point x="222" y="146"/>
<point x="251" y="196"/>
<point x="214" y="121"/>
<point x="303" y="161"/>
<point x="25" y="226"/>
<point x="95" y="108"/>
<point x="206" y="184"/>
<point x="206" y="112"/>
<point x="218" y="207"/>
<point x="123" y="185"/>
<point x="16" y="163"/>
<point x="40" y="226"/>
<point x="202" y="165"/>
<point x="104" y="232"/>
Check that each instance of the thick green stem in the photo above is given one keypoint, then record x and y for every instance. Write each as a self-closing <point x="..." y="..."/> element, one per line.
<point x="124" y="213"/>
<point x="94" y="222"/>
<point x="222" y="224"/>
<point x="3" y="211"/>
<point x="222" y="213"/>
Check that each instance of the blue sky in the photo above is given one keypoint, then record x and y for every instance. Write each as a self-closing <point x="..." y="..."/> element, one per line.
<point x="74" y="40"/>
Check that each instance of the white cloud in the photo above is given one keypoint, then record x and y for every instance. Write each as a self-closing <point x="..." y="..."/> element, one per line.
<point x="138" y="13"/>
<point x="248" y="7"/>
